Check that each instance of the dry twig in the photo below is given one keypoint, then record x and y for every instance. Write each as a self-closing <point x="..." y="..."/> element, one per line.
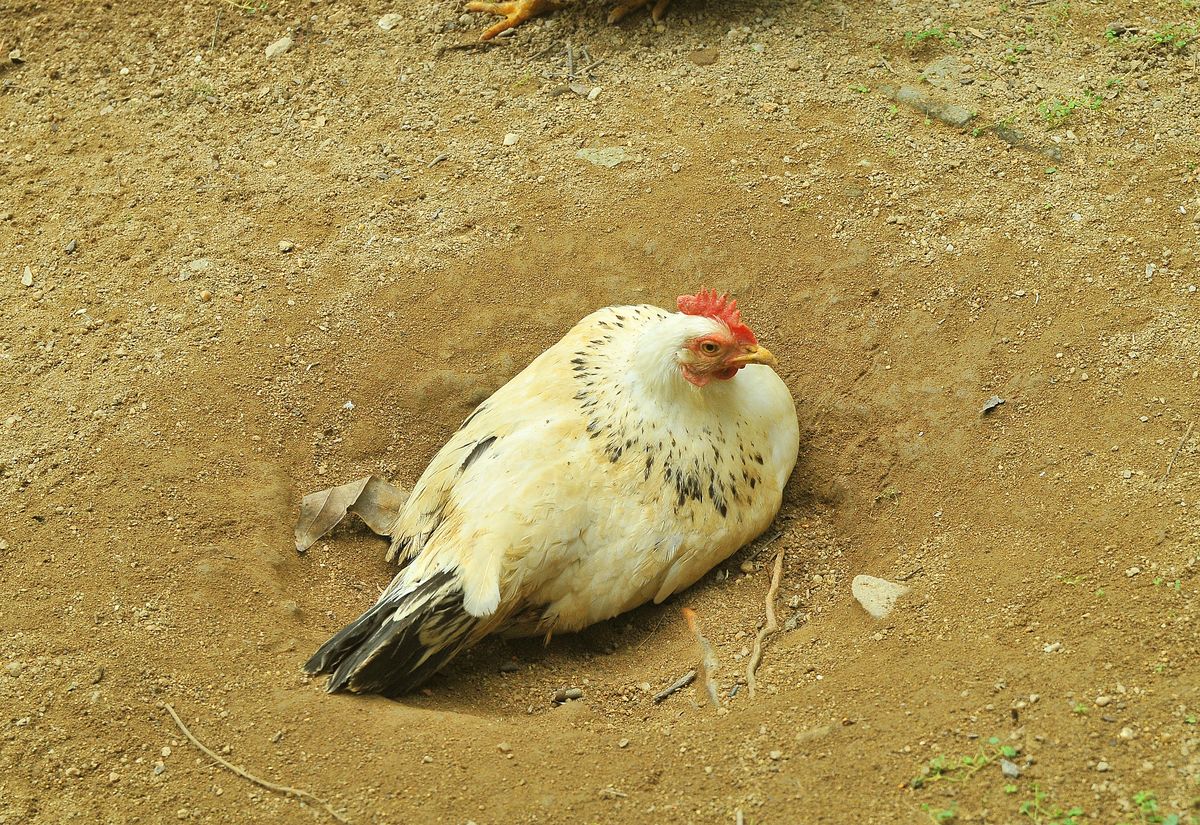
<point x="771" y="625"/>
<point x="1178" y="449"/>
<point x="676" y="686"/>
<point x="262" y="783"/>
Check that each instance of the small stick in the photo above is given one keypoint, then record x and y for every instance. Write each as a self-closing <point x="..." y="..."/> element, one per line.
<point x="1175" y="455"/>
<point x="738" y="817"/>
<point x="472" y="46"/>
<point x="676" y="686"/>
<point x="708" y="658"/>
<point x="216" y="27"/>
<point x="770" y="627"/>
<point x="570" y="62"/>
<point x="262" y="783"/>
<point x="436" y="161"/>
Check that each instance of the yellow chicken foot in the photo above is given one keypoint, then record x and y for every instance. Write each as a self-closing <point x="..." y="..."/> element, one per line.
<point x="625" y="6"/>
<point x="514" y="12"/>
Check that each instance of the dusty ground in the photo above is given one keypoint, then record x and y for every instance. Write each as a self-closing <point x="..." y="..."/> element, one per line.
<point x="174" y="383"/>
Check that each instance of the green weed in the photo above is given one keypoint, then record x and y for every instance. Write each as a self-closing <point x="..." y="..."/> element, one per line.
<point x="1038" y="811"/>
<point x="915" y="41"/>
<point x="1056" y="112"/>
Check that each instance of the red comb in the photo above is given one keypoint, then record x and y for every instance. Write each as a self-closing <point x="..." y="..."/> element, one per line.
<point x="709" y="303"/>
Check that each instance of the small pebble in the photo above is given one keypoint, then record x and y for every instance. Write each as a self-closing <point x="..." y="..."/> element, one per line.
<point x="1127" y="733"/>
<point x="504" y="747"/>
<point x="573" y="693"/>
<point x="1053" y="647"/>
<point x="509" y="667"/>
<point x="71" y="247"/>
<point x="776" y="755"/>
<point x="286" y="246"/>
<point x="624" y="743"/>
<point x="165" y="752"/>
<point x="511" y="139"/>
<point x="27" y="277"/>
<point x="14" y="668"/>
<point x="205" y="295"/>
<point x="390" y="21"/>
<point x="182" y="813"/>
<point x="426" y="759"/>
<point x="159" y="767"/>
<point x="1009" y="769"/>
<point x="278" y="48"/>
<point x="1103" y="767"/>
<point x="793" y="65"/>
<point x="747" y="567"/>
<point x="559" y="696"/>
<point x="1101" y="701"/>
<point x="114" y="777"/>
<point x="15" y="57"/>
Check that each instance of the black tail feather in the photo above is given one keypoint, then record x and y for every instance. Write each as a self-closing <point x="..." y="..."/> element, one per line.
<point x="375" y="654"/>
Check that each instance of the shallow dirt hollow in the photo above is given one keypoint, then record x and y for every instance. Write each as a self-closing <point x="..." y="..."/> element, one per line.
<point x="173" y="381"/>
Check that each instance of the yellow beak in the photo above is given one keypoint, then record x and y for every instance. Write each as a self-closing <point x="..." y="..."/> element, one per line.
<point x="756" y="355"/>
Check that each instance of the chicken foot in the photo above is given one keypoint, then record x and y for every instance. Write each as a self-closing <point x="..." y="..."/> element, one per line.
<point x="625" y="6"/>
<point x="514" y="12"/>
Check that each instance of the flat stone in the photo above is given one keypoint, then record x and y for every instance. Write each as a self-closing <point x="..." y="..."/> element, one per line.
<point x="704" y="57"/>
<point x="949" y="113"/>
<point x="877" y="596"/>
<point x="278" y="48"/>
<point x="945" y="72"/>
<point x="390" y="21"/>
<point x="608" y="157"/>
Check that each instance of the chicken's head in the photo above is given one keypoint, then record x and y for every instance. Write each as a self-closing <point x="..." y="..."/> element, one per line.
<point x="719" y="344"/>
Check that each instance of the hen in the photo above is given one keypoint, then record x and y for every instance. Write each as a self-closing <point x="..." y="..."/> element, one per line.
<point x="620" y="466"/>
<point x="516" y="12"/>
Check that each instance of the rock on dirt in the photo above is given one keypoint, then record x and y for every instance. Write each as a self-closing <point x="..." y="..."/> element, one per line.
<point x="877" y="596"/>
<point x="278" y="48"/>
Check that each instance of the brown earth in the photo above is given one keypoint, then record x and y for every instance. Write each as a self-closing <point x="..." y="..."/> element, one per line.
<point x="175" y="383"/>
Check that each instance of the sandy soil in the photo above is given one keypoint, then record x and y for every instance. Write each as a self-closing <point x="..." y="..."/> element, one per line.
<point x="173" y="383"/>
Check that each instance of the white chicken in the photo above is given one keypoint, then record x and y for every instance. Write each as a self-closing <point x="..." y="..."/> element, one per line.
<point x="620" y="466"/>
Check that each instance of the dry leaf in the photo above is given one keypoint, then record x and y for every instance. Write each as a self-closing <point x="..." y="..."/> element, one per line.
<point x="371" y="498"/>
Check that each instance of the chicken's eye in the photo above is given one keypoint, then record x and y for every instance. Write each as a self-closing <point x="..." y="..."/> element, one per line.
<point x="710" y="348"/>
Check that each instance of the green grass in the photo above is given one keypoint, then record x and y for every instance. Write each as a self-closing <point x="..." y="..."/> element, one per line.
<point x="944" y="768"/>
<point x="918" y="40"/>
<point x="1036" y="807"/>
<point x="1176" y="36"/>
<point x="1056" y="112"/>
<point x="940" y="815"/>
<point x="1040" y="812"/>
<point x="1149" y="812"/>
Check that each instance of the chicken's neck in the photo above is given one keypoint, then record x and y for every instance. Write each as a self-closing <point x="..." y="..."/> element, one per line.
<point x="639" y="408"/>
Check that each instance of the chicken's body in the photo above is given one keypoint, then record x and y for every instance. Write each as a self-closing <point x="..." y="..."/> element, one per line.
<point x="594" y="481"/>
<point x="516" y="12"/>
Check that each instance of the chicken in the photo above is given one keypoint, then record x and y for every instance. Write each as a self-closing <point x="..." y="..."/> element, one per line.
<point x="617" y="468"/>
<point x="516" y="12"/>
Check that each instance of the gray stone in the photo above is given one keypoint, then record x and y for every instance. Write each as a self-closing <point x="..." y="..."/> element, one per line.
<point x="278" y="48"/>
<point x="945" y="72"/>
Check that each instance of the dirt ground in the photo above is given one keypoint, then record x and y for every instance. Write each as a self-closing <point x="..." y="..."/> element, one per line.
<point x="173" y="382"/>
